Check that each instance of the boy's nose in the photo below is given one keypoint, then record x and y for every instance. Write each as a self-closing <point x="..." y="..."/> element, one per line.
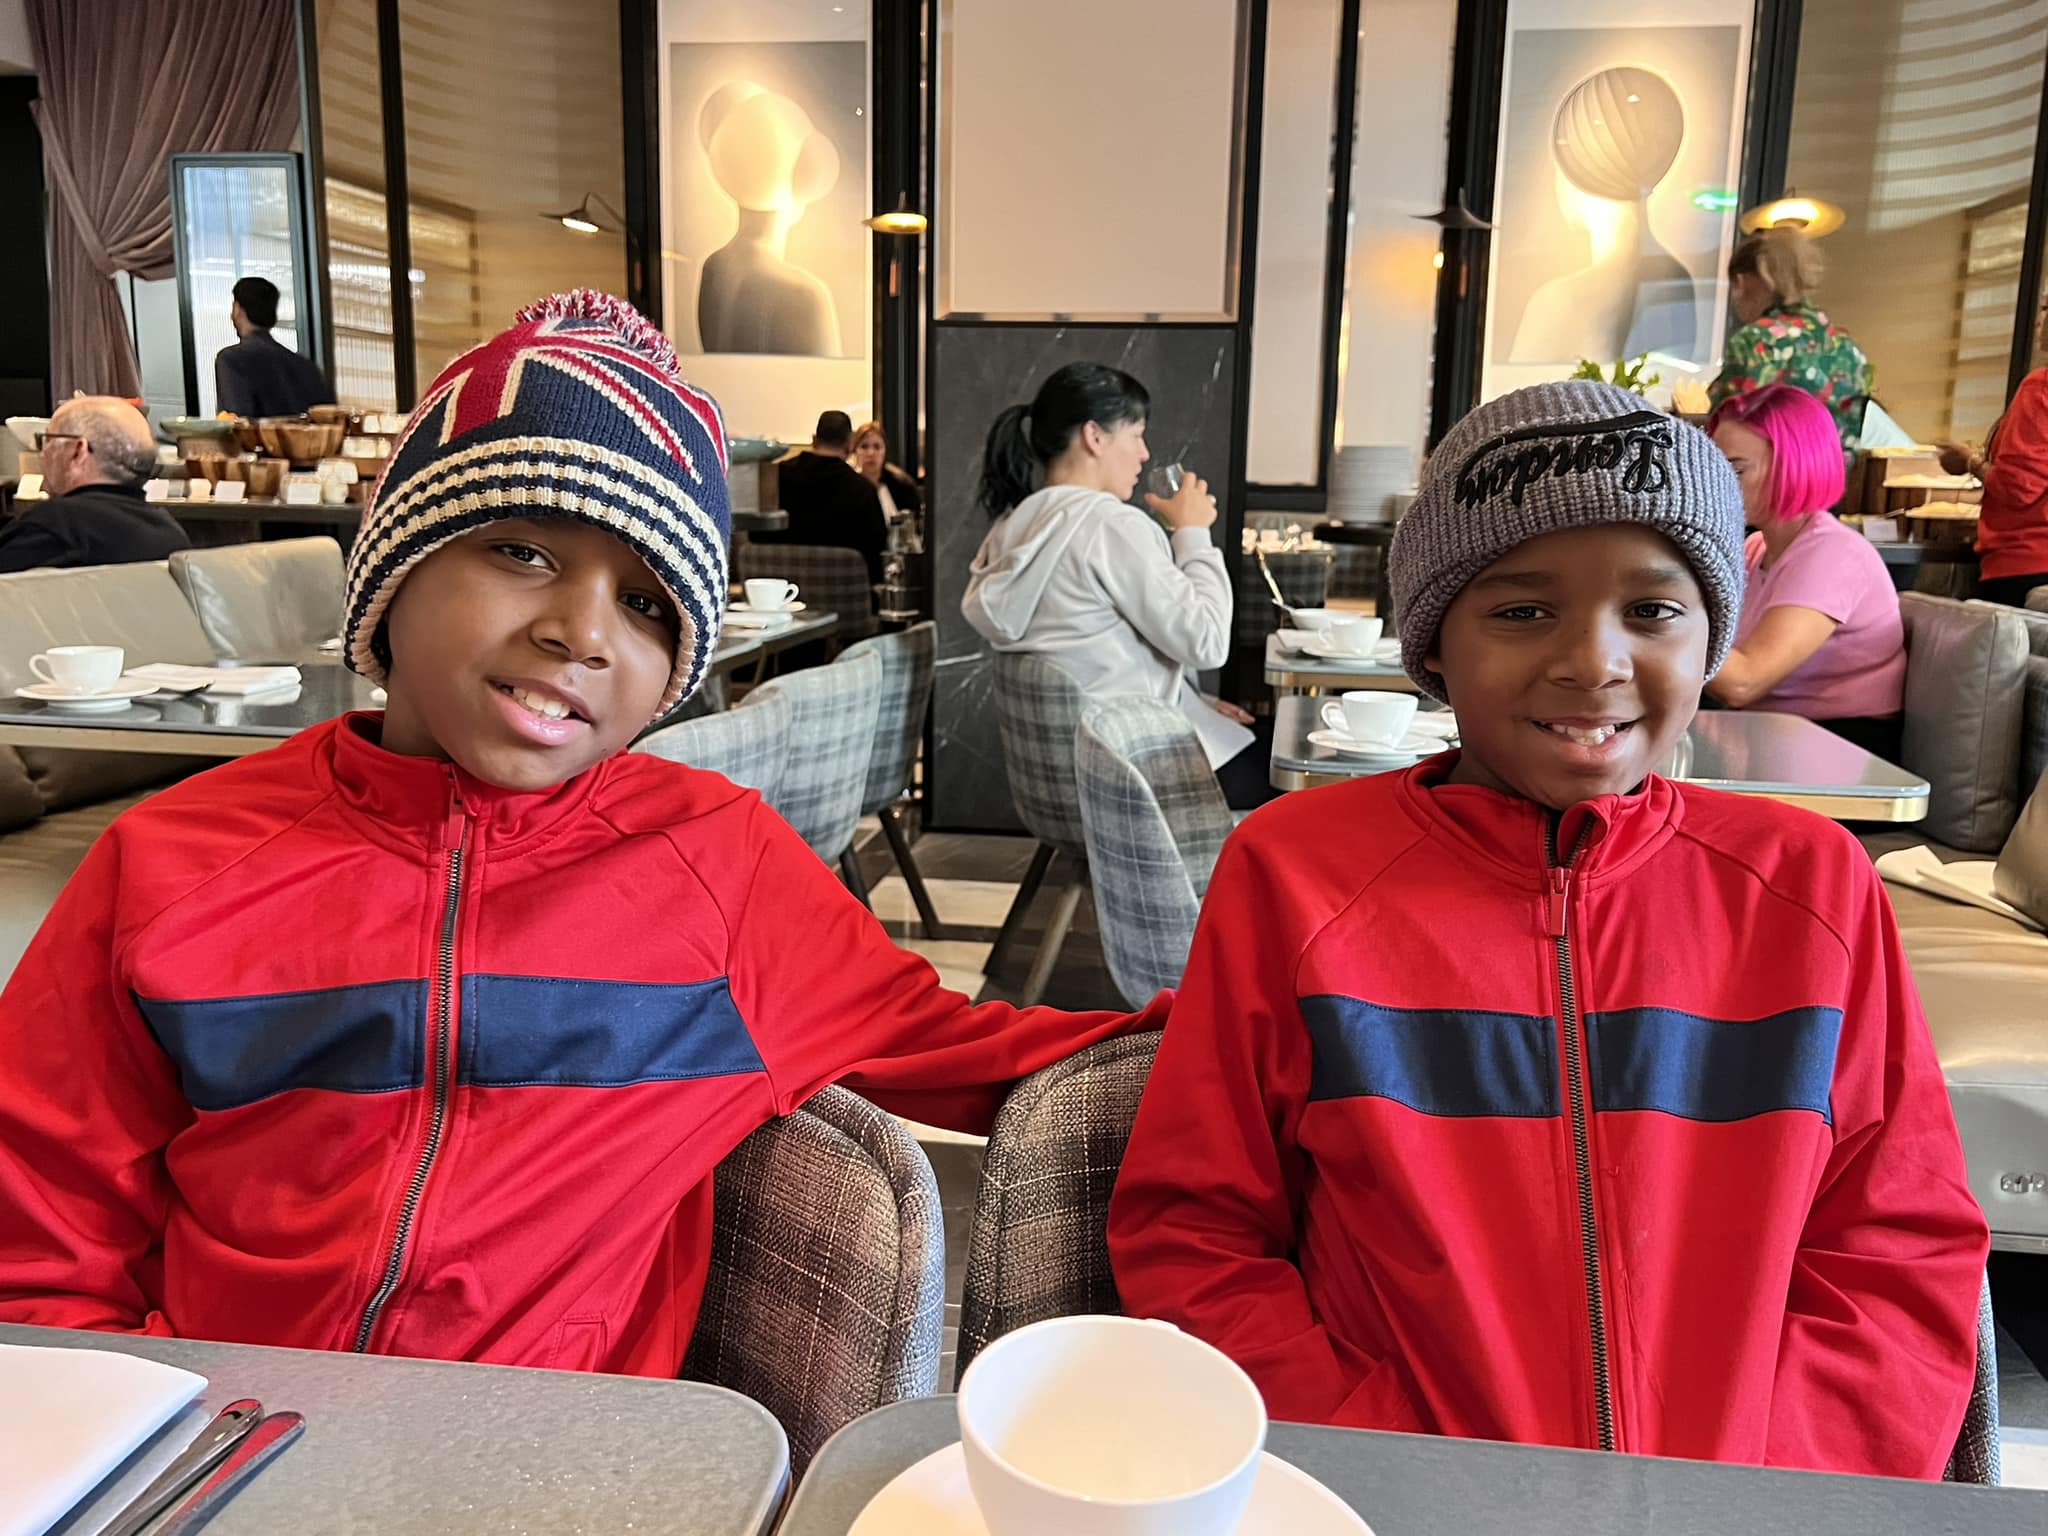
<point x="1593" y="654"/>
<point x="577" y="625"/>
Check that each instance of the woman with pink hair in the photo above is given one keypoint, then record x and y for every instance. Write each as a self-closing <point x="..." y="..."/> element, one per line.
<point x="1820" y="633"/>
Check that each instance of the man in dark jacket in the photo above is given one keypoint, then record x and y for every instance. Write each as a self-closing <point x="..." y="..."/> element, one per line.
<point x="259" y="375"/>
<point x="828" y="500"/>
<point x="95" y="457"/>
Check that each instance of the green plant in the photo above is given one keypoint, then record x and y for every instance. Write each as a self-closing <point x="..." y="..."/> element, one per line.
<point x="1626" y="373"/>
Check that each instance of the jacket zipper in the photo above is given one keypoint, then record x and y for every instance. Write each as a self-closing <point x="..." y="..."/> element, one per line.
<point x="444" y="1011"/>
<point x="1557" y="901"/>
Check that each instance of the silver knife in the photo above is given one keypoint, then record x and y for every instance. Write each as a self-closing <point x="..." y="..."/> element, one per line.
<point x="206" y="1451"/>
<point x="255" y="1452"/>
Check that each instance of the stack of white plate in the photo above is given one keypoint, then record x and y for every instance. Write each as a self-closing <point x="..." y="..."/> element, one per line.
<point x="1366" y="478"/>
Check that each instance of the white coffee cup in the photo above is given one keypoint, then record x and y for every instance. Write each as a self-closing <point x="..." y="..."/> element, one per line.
<point x="1319" y="619"/>
<point x="769" y="593"/>
<point x="79" y="668"/>
<point x="1370" y="715"/>
<point x="1356" y="638"/>
<point x="1109" y="1426"/>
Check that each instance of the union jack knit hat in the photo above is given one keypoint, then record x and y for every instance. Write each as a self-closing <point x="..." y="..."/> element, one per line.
<point x="579" y="411"/>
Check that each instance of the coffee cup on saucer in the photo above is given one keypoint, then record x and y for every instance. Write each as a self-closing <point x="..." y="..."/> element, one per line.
<point x="1109" y="1426"/>
<point x="1355" y="637"/>
<point x="1371" y="717"/>
<point x="80" y="669"/>
<point x="769" y="594"/>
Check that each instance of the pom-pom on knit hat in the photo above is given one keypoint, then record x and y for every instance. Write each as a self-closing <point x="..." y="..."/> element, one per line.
<point x="1558" y="456"/>
<point x="578" y="411"/>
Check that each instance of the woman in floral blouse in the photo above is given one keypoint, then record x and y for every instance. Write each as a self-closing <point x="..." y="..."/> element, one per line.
<point x="1783" y="338"/>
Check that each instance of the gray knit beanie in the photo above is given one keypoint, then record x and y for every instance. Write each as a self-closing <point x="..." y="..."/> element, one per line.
<point x="1557" y="456"/>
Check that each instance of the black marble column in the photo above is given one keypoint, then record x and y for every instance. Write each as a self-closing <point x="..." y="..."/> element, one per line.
<point x="977" y="370"/>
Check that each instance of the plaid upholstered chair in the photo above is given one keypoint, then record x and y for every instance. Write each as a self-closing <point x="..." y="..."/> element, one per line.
<point x="829" y="580"/>
<point x="1155" y="819"/>
<point x="749" y="746"/>
<point x="1039" y="1243"/>
<point x="906" y="658"/>
<point x="832" y="712"/>
<point x="1038" y="708"/>
<point x="1975" y="1458"/>
<point x="826" y="1291"/>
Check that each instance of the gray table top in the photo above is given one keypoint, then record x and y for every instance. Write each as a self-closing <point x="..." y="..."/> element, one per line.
<point x="1418" y="1485"/>
<point x="1297" y="669"/>
<point x="397" y="1447"/>
<point x="1751" y="752"/>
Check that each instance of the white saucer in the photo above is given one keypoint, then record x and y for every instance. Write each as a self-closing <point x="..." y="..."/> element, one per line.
<point x="1383" y="651"/>
<point x="87" y="703"/>
<point x="1415" y="744"/>
<point x="932" y="1499"/>
<point x="766" y="613"/>
<point x="1441" y="724"/>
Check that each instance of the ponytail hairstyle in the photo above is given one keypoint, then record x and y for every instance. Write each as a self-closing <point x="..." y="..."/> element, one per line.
<point x="1026" y="438"/>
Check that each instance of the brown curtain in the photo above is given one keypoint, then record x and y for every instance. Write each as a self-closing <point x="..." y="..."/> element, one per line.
<point x="124" y="86"/>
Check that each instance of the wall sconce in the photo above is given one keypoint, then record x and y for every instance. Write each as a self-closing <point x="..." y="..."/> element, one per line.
<point x="1455" y="215"/>
<point x="1810" y="216"/>
<point x="900" y="220"/>
<point x="579" y="219"/>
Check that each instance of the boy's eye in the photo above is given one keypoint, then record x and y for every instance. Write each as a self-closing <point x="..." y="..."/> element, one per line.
<point x="1656" y="611"/>
<point x="525" y="554"/>
<point x="1521" y="613"/>
<point x="647" y="607"/>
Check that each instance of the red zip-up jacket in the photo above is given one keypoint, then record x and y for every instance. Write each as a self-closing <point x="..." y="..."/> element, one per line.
<point x="1650" y="1151"/>
<point x="2012" y="526"/>
<point x="339" y="1049"/>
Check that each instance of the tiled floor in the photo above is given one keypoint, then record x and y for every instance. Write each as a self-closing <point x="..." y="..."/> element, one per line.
<point x="972" y="880"/>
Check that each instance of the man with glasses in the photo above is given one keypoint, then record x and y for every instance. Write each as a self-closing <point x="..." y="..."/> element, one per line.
<point x="95" y="458"/>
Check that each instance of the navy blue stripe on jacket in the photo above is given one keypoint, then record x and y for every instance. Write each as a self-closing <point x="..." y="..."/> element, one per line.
<point x="1454" y="1062"/>
<point x="513" y="1031"/>
<point x="1679" y="1063"/>
<point x="232" y="1051"/>
<point x="1474" y="1062"/>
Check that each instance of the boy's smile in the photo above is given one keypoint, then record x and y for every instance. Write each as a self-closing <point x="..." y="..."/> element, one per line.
<point x="1575" y="663"/>
<point x="527" y="651"/>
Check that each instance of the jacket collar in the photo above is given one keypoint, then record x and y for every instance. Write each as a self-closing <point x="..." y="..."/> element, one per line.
<point x="424" y="798"/>
<point x="1612" y="833"/>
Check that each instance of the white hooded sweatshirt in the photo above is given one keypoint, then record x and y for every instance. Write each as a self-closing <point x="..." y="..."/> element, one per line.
<point x="1096" y="584"/>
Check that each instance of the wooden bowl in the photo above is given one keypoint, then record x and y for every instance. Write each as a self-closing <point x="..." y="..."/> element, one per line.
<point x="210" y="467"/>
<point x="327" y="415"/>
<point x="248" y="435"/>
<point x="265" y="476"/>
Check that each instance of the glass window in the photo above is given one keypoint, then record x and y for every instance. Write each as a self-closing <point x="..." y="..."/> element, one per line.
<point x="358" y="245"/>
<point x="1918" y="118"/>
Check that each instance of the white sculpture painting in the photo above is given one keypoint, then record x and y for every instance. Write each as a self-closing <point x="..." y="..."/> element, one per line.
<point x="765" y="153"/>
<point x="1614" y="139"/>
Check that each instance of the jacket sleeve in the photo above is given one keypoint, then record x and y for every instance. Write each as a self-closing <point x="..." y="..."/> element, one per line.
<point x="1878" y="1348"/>
<point x="27" y="544"/>
<point x="230" y="393"/>
<point x="1180" y="605"/>
<point x="828" y="997"/>
<point x="88" y="1102"/>
<point x="1205" y="1222"/>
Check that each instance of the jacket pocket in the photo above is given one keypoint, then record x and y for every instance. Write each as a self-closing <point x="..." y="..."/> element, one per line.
<point x="1380" y="1402"/>
<point x="579" y="1345"/>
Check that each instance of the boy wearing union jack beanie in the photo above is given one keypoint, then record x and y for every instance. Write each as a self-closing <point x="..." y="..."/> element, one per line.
<point x="423" y="1032"/>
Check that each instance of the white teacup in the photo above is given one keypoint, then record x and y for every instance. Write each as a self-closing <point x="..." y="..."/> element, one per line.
<point x="1370" y="715"/>
<point x="79" y="668"/>
<point x="770" y="593"/>
<point x="1109" y="1426"/>
<point x="1319" y="619"/>
<point x="1356" y="638"/>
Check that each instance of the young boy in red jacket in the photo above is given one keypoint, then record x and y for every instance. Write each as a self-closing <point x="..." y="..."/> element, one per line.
<point x="1529" y="1095"/>
<point x="423" y="1032"/>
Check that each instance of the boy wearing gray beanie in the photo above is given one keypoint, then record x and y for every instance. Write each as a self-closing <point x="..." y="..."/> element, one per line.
<point x="1528" y="1095"/>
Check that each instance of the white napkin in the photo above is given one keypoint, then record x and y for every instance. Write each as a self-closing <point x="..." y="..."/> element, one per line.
<point x="1222" y="738"/>
<point x="68" y="1417"/>
<point x="742" y="618"/>
<point x="236" y="681"/>
<point x="1967" y="881"/>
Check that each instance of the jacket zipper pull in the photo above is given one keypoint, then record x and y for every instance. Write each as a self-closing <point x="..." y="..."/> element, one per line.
<point x="1554" y="900"/>
<point x="452" y="831"/>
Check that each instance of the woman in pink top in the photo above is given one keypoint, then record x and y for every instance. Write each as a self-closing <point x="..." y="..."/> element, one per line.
<point x="1820" y="633"/>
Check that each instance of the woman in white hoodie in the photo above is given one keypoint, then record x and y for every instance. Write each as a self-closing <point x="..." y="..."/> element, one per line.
<point x="1072" y="570"/>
